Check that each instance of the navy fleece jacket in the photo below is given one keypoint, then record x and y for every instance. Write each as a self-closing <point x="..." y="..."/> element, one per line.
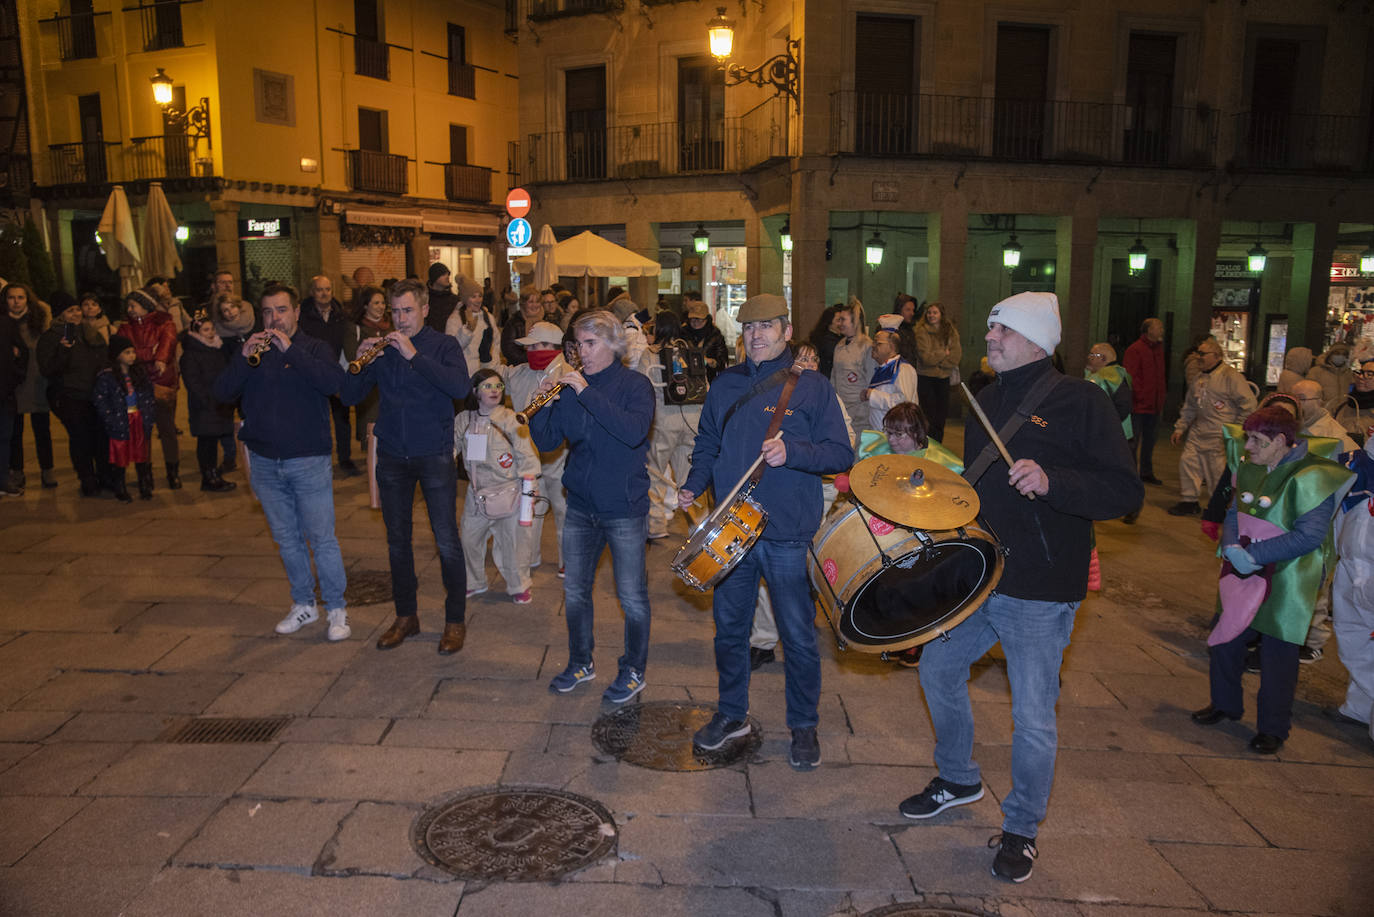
<point x="415" y="417"/>
<point x="285" y="399"/>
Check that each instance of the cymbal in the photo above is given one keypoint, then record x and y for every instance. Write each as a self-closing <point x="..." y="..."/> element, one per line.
<point x="915" y="492"/>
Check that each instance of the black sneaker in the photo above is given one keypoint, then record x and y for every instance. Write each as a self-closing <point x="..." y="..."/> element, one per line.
<point x="806" y="749"/>
<point x="1015" y="856"/>
<point x="1185" y="508"/>
<point x="1308" y="655"/>
<point x="940" y="795"/>
<point x="720" y="730"/>
<point x="760" y="657"/>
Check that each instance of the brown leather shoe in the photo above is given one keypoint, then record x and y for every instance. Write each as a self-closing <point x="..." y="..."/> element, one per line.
<point x="396" y="634"/>
<point x="452" y="640"/>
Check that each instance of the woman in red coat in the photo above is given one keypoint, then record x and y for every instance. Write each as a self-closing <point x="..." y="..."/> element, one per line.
<point x="155" y="339"/>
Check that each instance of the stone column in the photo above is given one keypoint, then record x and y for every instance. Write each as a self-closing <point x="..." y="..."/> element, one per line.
<point x="226" y="215"/>
<point x="1197" y="267"/>
<point x="810" y="225"/>
<point x="947" y="238"/>
<point x="641" y="237"/>
<point x="1314" y="246"/>
<point x="418" y="256"/>
<point x="1076" y="242"/>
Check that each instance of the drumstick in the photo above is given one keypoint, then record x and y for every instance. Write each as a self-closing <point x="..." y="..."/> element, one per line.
<point x="736" y="489"/>
<point x="987" y="425"/>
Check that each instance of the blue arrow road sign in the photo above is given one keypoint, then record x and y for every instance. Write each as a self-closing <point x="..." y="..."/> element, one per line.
<point x="518" y="233"/>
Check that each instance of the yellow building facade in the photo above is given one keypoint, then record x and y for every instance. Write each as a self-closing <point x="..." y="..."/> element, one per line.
<point x="323" y="137"/>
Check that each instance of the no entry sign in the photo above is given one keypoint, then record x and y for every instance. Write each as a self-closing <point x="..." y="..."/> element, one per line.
<point x="518" y="202"/>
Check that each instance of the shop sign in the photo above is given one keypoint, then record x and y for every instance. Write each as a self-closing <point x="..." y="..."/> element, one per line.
<point x="1349" y="272"/>
<point x="275" y="228"/>
<point x="1234" y="270"/>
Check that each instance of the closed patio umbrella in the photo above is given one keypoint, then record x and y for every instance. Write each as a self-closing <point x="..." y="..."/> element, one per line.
<point x="160" y="256"/>
<point x="545" y="260"/>
<point x="117" y="238"/>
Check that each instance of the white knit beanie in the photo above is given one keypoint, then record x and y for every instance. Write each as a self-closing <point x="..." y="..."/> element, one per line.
<point x="1035" y="316"/>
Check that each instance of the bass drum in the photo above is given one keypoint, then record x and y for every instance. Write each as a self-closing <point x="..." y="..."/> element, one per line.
<point x="931" y="581"/>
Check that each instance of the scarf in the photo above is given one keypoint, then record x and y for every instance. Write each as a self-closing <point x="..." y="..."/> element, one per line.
<point x="885" y="373"/>
<point x="380" y="327"/>
<point x="100" y="325"/>
<point x="239" y="327"/>
<point x="213" y="341"/>
<point x="1364" y="399"/>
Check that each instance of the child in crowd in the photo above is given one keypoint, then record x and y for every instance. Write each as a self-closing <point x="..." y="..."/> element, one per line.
<point x="124" y="400"/>
<point x="203" y="358"/>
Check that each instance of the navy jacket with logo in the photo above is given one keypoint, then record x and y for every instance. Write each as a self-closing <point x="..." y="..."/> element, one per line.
<point x="285" y="398"/>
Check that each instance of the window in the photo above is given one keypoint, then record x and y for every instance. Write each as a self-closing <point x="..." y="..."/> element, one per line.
<point x="77" y="34"/>
<point x="462" y="76"/>
<point x="372" y="130"/>
<point x="92" y="139"/>
<point x="1023" y="73"/>
<point x="1150" y="65"/>
<point x="585" y="107"/>
<point x="370" y="51"/>
<point x="700" y="114"/>
<point x="458" y="144"/>
<point x="887" y="59"/>
<point x="161" y="24"/>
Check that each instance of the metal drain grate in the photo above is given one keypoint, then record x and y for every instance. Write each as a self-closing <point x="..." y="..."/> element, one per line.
<point x="227" y="729"/>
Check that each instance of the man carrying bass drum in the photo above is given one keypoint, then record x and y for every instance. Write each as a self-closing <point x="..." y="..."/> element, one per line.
<point x="735" y="421"/>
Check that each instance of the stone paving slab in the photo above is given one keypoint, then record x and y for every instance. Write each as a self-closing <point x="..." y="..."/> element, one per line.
<point x="304" y="652"/>
<point x="1257" y="880"/>
<point x="597" y="898"/>
<point x="515" y="701"/>
<point x="189" y="692"/>
<point x="862" y="793"/>
<point x="25" y="587"/>
<point x="1303" y="820"/>
<point x="179" y="770"/>
<point x="114" y="727"/>
<point x="178" y="892"/>
<point x="626" y="788"/>
<point x="957" y="861"/>
<point x="272" y="694"/>
<point x="29" y="819"/>
<point x="53" y="615"/>
<point x="468" y="734"/>
<point x="122" y="564"/>
<point x="88" y="651"/>
<point x="361" y="695"/>
<point x="479" y="658"/>
<point x="1331" y="778"/>
<point x="210" y="614"/>
<point x="238" y="567"/>
<point x="372" y="772"/>
<point x="26" y="562"/>
<point x="374" y="839"/>
<point x="1144" y="809"/>
<point x="60" y="770"/>
<point x="286" y="834"/>
<point x="344" y="730"/>
<point x="71" y="888"/>
<point x="724" y="851"/>
<point x="167" y="589"/>
<point x="30" y="725"/>
<point x="124" y="832"/>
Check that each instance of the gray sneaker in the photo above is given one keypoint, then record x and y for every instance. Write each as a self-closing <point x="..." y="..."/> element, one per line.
<point x="940" y="795"/>
<point x="806" y="749"/>
<point x="718" y="731"/>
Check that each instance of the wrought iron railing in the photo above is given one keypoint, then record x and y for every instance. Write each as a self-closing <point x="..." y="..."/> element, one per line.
<point x="75" y="35"/>
<point x="162" y="156"/>
<point x="665" y="148"/>
<point x="970" y="127"/>
<point x="368" y="170"/>
<point x="16" y="174"/>
<point x="161" y="21"/>
<point x="371" y="58"/>
<point x="462" y="80"/>
<point x="467" y="183"/>
<point x="1284" y="140"/>
<point x="541" y="10"/>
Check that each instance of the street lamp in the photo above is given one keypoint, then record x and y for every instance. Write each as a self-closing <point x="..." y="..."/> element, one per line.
<point x="785" y="237"/>
<point x="873" y="251"/>
<point x="1011" y="253"/>
<point x="1256" y="258"/>
<point x="701" y="240"/>
<point x="1137" y="256"/>
<point x="195" y="121"/>
<point x="1367" y="260"/>
<point x="781" y="71"/>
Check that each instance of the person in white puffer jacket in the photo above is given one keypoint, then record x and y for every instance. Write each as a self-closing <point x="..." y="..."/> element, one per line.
<point x="1352" y="592"/>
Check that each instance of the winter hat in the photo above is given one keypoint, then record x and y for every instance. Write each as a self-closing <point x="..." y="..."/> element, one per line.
<point x="762" y="308"/>
<point x="143" y="299"/>
<point x="1035" y="316"/>
<point x="60" y="301"/>
<point x="466" y="285"/>
<point x="437" y="270"/>
<point x="118" y="344"/>
<point x="697" y="309"/>
<point x="542" y="333"/>
<point x="889" y="321"/>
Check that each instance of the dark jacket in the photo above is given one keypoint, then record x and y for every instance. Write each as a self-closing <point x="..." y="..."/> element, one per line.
<point x="71" y="371"/>
<point x="441" y="306"/>
<point x="824" y="340"/>
<point x="201" y="365"/>
<point x="331" y="332"/>
<point x="155" y="338"/>
<point x="285" y="398"/>
<point x="113" y="408"/>
<point x="814" y="432"/>
<point x="415" y="417"/>
<point x="607" y="429"/>
<point x="1145" y="362"/>
<point x="514" y="328"/>
<point x="1075" y="436"/>
<point x="14" y="361"/>
<point x="712" y="344"/>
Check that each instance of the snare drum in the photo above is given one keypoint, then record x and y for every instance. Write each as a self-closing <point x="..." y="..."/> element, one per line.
<point x="933" y="579"/>
<point x="720" y="541"/>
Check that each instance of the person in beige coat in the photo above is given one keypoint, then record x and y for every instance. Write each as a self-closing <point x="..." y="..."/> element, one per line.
<point x="497" y="453"/>
<point x="1218" y="395"/>
<point x="937" y="358"/>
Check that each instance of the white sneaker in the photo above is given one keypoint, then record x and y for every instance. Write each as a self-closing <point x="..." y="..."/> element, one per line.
<point x="298" y="617"/>
<point x="338" y="625"/>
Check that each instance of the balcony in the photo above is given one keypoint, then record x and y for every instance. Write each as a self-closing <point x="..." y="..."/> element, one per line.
<point x="1287" y="141"/>
<point x="659" y="150"/>
<point x="75" y="35"/>
<point x="371" y="58"/>
<point x="16" y="176"/>
<point x="161" y="23"/>
<point x="544" y="10"/>
<point x="161" y="157"/>
<point x="969" y="127"/>
<point x="462" y="80"/>
<point x="385" y="173"/>
<point x="470" y="184"/>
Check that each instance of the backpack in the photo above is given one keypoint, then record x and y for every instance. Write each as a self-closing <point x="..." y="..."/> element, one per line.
<point x="684" y="372"/>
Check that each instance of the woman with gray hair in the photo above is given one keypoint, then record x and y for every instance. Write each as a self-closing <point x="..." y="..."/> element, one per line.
<point x="604" y="412"/>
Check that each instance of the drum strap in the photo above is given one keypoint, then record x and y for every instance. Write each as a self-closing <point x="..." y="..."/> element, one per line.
<point x="1034" y="395"/>
<point x="766" y="382"/>
<point x="793" y="374"/>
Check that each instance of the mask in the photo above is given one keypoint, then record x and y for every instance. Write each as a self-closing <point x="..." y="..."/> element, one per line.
<point x="1336" y="359"/>
<point x="540" y="359"/>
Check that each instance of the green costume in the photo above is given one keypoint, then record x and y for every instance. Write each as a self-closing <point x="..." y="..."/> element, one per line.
<point x="1109" y="379"/>
<point x="871" y="442"/>
<point x="1290" y="490"/>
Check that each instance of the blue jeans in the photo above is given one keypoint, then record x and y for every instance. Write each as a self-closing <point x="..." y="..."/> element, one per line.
<point x="1033" y="637"/>
<point x="783" y="564"/>
<point x="297" y="497"/>
<point x="438" y="480"/>
<point x="584" y="537"/>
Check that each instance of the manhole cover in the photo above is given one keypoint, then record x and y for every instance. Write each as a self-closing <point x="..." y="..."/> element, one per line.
<point x="368" y="588"/>
<point x="658" y="735"/>
<point x="519" y="834"/>
<point x="920" y="910"/>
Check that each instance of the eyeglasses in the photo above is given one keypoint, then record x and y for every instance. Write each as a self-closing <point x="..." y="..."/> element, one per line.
<point x="1100" y="356"/>
<point x="492" y="387"/>
<point x="1365" y="373"/>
